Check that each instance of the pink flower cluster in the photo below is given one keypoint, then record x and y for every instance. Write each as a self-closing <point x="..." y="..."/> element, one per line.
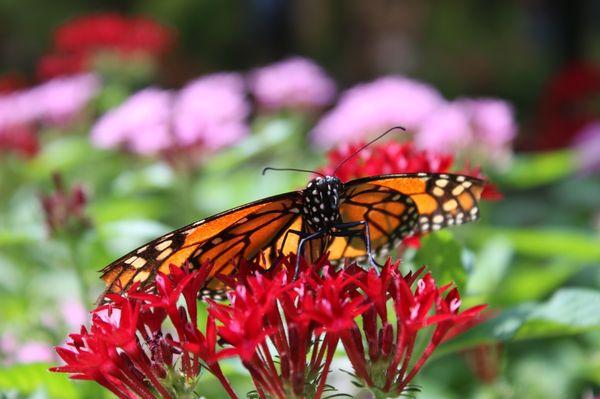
<point x="293" y="83"/>
<point x="56" y="102"/>
<point x="209" y="111"/>
<point x="371" y="108"/>
<point x="487" y="124"/>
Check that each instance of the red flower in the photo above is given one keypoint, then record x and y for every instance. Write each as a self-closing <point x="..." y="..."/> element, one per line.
<point x="284" y="331"/>
<point x="567" y="105"/>
<point x="21" y="140"/>
<point x="65" y="210"/>
<point x="77" y="41"/>
<point x="385" y="158"/>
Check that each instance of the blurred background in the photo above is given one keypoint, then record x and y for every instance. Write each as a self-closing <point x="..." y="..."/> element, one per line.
<point x="121" y="120"/>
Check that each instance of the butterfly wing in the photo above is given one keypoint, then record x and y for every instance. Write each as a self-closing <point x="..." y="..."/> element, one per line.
<point x="244" y="231"/>
<point x="396" y="206"/>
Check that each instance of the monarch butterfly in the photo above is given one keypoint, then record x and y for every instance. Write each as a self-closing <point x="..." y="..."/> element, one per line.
<point x="348" y="220"/>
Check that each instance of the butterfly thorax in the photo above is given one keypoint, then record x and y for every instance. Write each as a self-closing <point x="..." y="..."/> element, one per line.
<point x="321" y="203"/>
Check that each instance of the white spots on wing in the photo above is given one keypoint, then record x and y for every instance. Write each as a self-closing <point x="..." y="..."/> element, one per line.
<point x="458" y="190"/>
<point x="129" y="261"/>
<point x="138" y="263"/>
<point x="467" y="184"/>
<point x="449" y="205"/>
<point x="438" y="219"/>
<point x="295" y="210"/>
<point x="460" y="178"/>
<point x="163" y="245"/>
<point x="442" y="182"/>
<point x="141" y="276"/>
<point x="142" y="249"/>
<point x="438" y="192"/>
<point x="163" y="255"/>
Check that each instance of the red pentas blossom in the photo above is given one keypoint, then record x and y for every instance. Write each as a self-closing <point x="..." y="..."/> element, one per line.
<point x="78" y="40"/>
<point x="384" y="158"/>
<point x="284" y="331"/>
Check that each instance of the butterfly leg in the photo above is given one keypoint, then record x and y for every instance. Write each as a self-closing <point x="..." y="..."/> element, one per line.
<point x="303" y="239"/>
<point x="346" y="230"/>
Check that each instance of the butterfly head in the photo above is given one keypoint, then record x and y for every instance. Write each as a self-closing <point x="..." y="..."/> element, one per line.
<point x="321" y="202"/>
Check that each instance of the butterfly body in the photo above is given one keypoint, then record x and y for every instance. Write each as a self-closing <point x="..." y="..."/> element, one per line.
<point x="321" y="203"/>
<point x="348" y="220"/>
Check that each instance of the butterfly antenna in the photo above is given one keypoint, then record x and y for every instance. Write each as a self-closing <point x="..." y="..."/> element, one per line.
<point x="291" y="170"/>
<point x="365" y="146"/>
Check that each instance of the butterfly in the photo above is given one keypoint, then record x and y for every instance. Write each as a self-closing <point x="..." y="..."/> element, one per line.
<point x="358" y="219"/>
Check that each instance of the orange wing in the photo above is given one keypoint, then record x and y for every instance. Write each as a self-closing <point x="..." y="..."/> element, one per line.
<point x="396" y="206"/>
<point x="247" y="231"/>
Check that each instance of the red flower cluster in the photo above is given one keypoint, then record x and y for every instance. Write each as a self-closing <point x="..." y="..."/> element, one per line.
<point x="284" y="331"/>
<point x="385" y="158"/>
<point x="64" y="210"/>
<point x="21" y="140"/>
<point x="77" y="41"/>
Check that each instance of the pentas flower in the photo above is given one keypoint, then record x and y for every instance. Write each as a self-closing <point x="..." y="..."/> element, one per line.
<point x="394" y="157"/>
<point x="481" y="127"/>
<point x="206" y="115"/>
<point x="77" y="41"/>
<point x="211" y="110"/>
<point x="141" y="124"/>
<point x="64" y="208"/>
<point x="294" y="83"/>
<point x="148" y="344"/>
<point x="384" y="158"/>
<point x="57" y="102"/>
<point x="21" y="140"/>
<point x="370" y="108"/>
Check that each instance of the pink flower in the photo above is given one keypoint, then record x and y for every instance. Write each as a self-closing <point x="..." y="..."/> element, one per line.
<point x="492" y="120"/>
<point x="33" y="351"/>
<point x="211" y="110"/>
<point x="209" y="113"/>
<point x="63" y="98"/>
<point x="587" y="147"/>
<point x="293" y="83"/>
<point x="56" y="102"/>
<point x="445" y="130"/>
<point x="73" y="313"/>
<point x="376" y="106"/>
<point x="483" y="127"/>
<point x="141" y="124"/>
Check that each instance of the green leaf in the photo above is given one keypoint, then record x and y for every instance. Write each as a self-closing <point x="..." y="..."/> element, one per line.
<point x="442" y="255"/>
<point x="28" y="378"/>
<point x="490" y="267"/>
<point x="529" y="281"/>
<point x="545" y="243"/>
<point x="569" y="311"/>
<point x="539" y="169"/>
